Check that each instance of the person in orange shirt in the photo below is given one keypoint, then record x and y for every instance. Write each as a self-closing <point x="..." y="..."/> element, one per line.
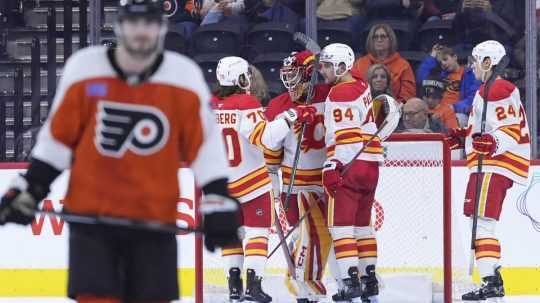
<point x="381" y="47"/>
<point x="432" y="94"/>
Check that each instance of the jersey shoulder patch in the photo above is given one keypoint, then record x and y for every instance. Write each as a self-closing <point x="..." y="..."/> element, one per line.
<point x="501" y="89"/>
<point x="348" y="91"/>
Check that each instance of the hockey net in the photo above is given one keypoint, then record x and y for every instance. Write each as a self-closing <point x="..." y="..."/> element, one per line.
<point x="421" y="258"/>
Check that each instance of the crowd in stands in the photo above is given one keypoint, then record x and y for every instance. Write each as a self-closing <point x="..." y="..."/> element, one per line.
<point x="413" y="50"/>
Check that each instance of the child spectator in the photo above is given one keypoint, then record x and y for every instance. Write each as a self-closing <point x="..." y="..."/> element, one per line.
<point x="433" y="90"/>
<point x="381" y="47"/>
<point x="461" y="85"/>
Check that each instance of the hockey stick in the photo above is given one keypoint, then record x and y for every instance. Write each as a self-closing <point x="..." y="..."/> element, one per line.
<point x="383" y="125"/>
<point x="313" y="47"/>
<point x="282" y="240"/>
<point x="120" y="222"/>
<point x="499" y="68"/>
<point x="285" y="248"/>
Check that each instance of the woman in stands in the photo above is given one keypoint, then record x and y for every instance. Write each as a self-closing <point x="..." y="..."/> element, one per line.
<point x="381" y="47"/>
<point x="379" y="79"/>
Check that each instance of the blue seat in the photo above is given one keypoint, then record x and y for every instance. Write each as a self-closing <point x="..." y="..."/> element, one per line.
<point x="217" y="38"/>
<point x="270" y="64"/>
<point x="208" y="64"/>
<point x="329" y="32"/>
<point x="175" y="41"/>
<point x="271" y="37"/>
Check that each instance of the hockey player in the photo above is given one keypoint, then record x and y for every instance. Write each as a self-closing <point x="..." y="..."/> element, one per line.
<point x="505" y="147"/>
<point x="311" y="247"/>
<point x="349" y="123"/>
<point x="122" y="121"/>
<point x="247" y="134"/>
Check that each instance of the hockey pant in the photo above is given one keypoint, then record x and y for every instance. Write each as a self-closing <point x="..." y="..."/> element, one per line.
<point x="492" y="193"/>
<point x="257" y="217"/>
<point x="349" y="216"/>
<point x="311" y="245"/>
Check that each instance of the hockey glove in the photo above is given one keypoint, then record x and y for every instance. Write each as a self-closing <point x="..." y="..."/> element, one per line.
<point x="19" y="203"/>
<point x="220" y="220"/>
<point x="306" y="113"/>
<point x="290" y="116"/>
<point x="484" y="144"/>
<point x="331" y="177"/>
<point x="454" y="137"/>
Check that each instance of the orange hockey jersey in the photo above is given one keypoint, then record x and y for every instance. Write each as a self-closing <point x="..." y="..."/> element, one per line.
<point x="124" y="143"/>
<point x="312" y="154"/>
<point x="247" y="134"/>
<point x="506" y="120"/>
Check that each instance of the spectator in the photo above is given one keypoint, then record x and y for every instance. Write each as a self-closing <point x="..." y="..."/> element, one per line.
<point x="183" y="15"/>
<point x="230" y="11"/>
<point x="379" y="80"/>
<point x="440" y="9"/>
<point x="259" y="88"/>
<point x="432" y="94"/>
<point x="381" y="47"/>
<point x="461" y="84"/>
<point x="350" y="11"/>
<point x="416" y="118"/>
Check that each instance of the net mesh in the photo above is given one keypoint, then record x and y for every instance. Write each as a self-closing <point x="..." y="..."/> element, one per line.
<point x="408" y="218"/>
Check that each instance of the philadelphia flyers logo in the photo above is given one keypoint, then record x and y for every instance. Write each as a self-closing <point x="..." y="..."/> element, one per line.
<point x="170" y="7"/>
<point x="142" y="129"/>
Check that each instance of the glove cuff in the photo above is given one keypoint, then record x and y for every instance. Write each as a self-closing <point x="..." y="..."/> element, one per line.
<point x="290" y="116"/>
<point x="332" y="164"/>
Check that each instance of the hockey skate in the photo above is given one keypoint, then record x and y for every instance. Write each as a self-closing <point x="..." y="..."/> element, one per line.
<point x="352" y="289"/>
<point x="370" y="285"/>
<point x="254" y="292"/>
<point x="491" y="290"/>
<point x="305" y="301"/>
<point x="236" y="290"/>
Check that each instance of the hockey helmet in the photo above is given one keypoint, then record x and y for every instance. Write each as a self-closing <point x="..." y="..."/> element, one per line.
<point x="488" y="49"/>
<point x="297" y="68"/>
<point x="230" y="71"/>
<point x="151" y="9"/>
<point x="338" y="53"/>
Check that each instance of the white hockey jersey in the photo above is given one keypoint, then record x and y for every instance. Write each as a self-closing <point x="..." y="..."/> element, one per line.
<point x="246" y="133"/>
<point x="350" y="122"/>
<point x="507" y="122"/>
<point x="313" y="152"/>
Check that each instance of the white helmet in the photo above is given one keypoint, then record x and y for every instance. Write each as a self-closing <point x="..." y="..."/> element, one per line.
<point x="338" y="53"/>
<point x="229" y="70"/>
<point x="488" y="49"/>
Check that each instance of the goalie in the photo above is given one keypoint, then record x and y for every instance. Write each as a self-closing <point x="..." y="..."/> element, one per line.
<point x="350" y="127"/>
<point x="311" y="242"/>
<point x="246" y="134"/>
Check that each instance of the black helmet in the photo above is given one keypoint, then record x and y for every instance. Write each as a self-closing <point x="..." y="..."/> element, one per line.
<point x="152" y="9"/>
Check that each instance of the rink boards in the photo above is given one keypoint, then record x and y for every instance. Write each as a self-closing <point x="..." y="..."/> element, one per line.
<point x="33" y="260"/>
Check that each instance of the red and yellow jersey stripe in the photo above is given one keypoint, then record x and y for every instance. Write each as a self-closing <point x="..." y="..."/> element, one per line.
<point x="250" y="183"/>
<point x="507" y="161"/>
<point x="514" y="131"/>
<point x="256" y="135"/>
<point x="273" y="157"/>
<point x="303" y="177"/>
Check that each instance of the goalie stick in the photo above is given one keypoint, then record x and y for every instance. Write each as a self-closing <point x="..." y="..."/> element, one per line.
<point x="121" y="222"/>
<point x="497" y="70"/>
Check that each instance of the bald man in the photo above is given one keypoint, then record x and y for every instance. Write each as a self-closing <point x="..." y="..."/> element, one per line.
<point x="416" y="118"/>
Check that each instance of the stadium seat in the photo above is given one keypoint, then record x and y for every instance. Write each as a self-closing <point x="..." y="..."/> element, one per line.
<point x="269" y="65"/>
<point x="208" y="64"/>
<point x="271" y="37"/>
<point x="217" y="38"/>
<point x="334" y="32"/>
<point x="175" y="41"/>
<point x="405" y="31"/>
<point x="436" y="31"/>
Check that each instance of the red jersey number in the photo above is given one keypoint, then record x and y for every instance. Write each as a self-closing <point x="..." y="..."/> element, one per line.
<point x="232" y="143"/>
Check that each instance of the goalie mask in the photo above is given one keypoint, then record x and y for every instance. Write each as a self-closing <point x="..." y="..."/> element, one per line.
<point x="233" y="71"/>
<point x="296" y="73"/>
